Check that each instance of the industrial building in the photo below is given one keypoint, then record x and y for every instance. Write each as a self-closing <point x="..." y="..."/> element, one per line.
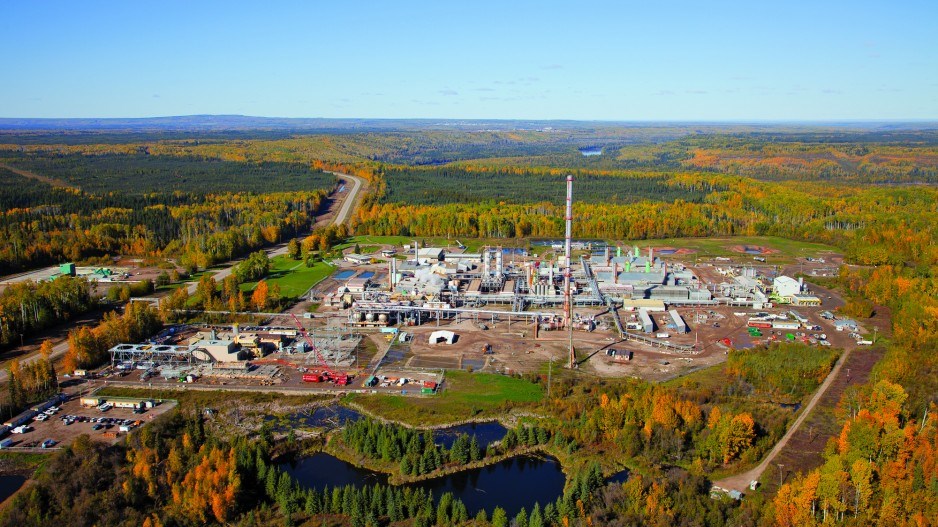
<point x="648" y="325"/>
<point x="785" y="287"/>
<point x="678" y="321"/>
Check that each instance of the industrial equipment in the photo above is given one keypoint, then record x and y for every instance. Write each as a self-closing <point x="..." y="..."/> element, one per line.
<point x="340" y="379"/>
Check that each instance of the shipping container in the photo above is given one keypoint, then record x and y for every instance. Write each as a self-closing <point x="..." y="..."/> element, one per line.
<point x="312" y="377"/>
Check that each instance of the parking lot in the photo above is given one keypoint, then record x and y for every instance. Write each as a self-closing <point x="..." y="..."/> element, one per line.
<point x="72" y="420"/>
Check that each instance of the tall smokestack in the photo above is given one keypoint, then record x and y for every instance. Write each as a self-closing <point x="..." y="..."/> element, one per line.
<point x="567" y="274"/>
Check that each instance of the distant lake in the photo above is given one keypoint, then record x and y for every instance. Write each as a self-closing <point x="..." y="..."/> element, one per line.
<point x="592" y="151"/>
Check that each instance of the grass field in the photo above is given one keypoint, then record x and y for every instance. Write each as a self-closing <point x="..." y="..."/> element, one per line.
<point x="219" y="399"/>
<point x="466" y="395"/>
<point x="293" y="277"/>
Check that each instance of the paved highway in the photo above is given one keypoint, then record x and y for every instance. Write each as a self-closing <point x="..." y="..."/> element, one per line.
<point x="349" y="196"/>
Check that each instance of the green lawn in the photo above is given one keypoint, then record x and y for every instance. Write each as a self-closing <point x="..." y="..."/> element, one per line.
<point x="293" y="277"/>
<point x="466" y="395"/>
<point x="198" y="399"/>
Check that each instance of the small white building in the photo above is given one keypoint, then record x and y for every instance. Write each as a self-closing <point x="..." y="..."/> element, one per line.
<point x="357" y="285"/>
<point x="786" y="286"/>
<point x="430" y="255"/>
<point x="220" y="350"/>
<point x="442" y="336"/>
<point x="357" y="259"/>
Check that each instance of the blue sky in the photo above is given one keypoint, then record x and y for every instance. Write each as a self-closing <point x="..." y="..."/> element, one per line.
<point x="649" y="60"/>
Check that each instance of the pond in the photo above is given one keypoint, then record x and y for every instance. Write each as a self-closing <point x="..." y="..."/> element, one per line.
<point x="344" y="275"/>
<point x="591" y="151"/>
<point x="486" y="433"/>
<point x="511" y="484"/>
<point x="329" y="417"/>
<point x="619" y="477"/>
<point x="10" y="484"/>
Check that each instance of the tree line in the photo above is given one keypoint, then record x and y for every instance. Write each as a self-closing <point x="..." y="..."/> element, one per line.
<point x="27" y="307"/>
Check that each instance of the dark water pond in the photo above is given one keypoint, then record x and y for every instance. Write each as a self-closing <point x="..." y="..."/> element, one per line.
<point x="619" y="477"/>
<point x="10" y="484"/>
<point x="512" y="484"/>
<point x="485" y="433"/>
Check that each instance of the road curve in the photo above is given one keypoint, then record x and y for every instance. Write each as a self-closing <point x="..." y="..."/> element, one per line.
<point x="348" y="201"/>
<point x="350" y="198"/>
<point x="741" y="481"/>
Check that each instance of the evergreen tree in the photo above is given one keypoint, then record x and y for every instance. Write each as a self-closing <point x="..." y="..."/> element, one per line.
<point x="550" y="514"/>
<point x="311" y="506"/>
<point x="542" y="437"/>
<point x="521" y="519"/>
<point x="460" y="513"/>
<point x="536" y="520"/>
<point x="442" y="509"/>
<point x="499" y="517"/>
<point x="270" y="484"/>
<point x="475" y="451"/>
<point x="284" y="493"/>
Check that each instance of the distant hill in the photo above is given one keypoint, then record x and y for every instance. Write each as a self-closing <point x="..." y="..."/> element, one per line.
<point x="244" y="122"/>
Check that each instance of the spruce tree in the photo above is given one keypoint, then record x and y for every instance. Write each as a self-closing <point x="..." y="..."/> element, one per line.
<point x="499" y="517"/>
<point x="521" y="519"/>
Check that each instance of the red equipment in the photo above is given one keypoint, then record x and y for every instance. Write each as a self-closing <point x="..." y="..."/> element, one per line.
<point x="341" y="379"/>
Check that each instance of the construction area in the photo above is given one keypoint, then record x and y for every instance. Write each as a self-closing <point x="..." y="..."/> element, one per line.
<point x="404" y="314"/>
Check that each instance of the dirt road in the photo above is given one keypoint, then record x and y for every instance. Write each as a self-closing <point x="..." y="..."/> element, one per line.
<point x="38" y="177"/>
<point x="741" y="481"/>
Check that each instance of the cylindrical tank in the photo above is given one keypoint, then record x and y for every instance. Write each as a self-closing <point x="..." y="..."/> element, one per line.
<point x="382" y="318"/>
<point x="370" y="317"/>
